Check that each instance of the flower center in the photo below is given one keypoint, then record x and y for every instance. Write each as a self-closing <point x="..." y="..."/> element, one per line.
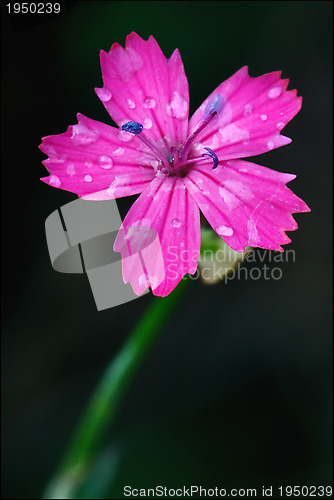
<point x="178" y="162"/>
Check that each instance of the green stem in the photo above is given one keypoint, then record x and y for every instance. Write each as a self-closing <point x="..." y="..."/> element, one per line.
<point x="107" y="397"/>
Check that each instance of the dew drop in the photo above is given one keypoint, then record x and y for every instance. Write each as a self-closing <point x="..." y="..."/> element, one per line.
<point x="88" y="178"/>
<point x="280" y="125"/>
<point x="274" y="92"/>
<point x="270" y="145"/>
<point x="131" y="104"/>
<point x="105" y="162"/>
<point x="149" y="102"/>
<point x="176" y="222"/>
<point x="224" y="231"/>
<point x="147" y="124"/>
<point x="104" y="94"/>
<point x="263" y="117"/>
<point x="88" y="164"/>
<point x="70" y="170"/>
<point x="248" y="110"/>
<point x="119" y="152"/>
<point x="55" y="181"/>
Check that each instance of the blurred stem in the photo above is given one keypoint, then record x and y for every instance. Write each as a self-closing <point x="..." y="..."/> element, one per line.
<point x="107" y="397"/>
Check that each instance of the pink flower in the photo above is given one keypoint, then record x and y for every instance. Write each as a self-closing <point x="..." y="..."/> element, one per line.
<point x="181" y="166"/>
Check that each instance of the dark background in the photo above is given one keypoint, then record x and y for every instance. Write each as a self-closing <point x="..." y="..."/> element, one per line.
<point x="236" y="391"/>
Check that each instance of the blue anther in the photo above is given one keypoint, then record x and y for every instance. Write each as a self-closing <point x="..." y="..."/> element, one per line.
<point x="214" y="105"/>
<point x="213" y="155"/>
<point x="132" y="127"/>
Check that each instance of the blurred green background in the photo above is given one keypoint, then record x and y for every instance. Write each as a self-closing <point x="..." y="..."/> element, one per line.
<point x="236" y="391"/>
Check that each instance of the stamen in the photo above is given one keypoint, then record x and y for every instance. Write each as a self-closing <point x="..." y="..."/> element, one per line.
<point x="133" y="127"/>
<point x="136" y="129"/>
<point x="214" y="106"/>
<point x="213" y="155"/>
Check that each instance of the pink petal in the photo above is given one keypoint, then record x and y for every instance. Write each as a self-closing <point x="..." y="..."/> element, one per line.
<point x="89" y="159"/>
<point x="141" y="85"/>
<point x="166" y="206"/>
<point x="246" y="204"/>
<point x="254" y="112"/>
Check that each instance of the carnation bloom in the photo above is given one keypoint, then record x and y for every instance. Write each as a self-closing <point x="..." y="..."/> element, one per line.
<point x="181" y="166"/>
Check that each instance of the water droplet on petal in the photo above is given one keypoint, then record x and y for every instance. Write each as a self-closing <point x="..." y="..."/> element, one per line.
<point x="274" y="92"/>
<point x="270" y="145"/>
<point x="178" y="106"/>
<point x="54" y="181"/>
<point x="147" y="124"/>
<point x="104" y="94"/>
<point x="119" y="152"/>
<point x="280" y="125"/>
<point x="88" y="178"/>
<point x="105" y="162"/>
<point x="131" y="104"/>
<point x="248" y="110"/>
<point x="88" y="164"/>
<point x="176" y="222"/>
<point x="263" y="117"/>
<point x="224" y="231"/>
<point x="71" y="170"/>
<point x="149" y="102"/>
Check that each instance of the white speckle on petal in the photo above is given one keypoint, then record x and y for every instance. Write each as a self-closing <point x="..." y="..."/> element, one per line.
<point x="104" y="94"/>
<point x="149" y="102"/>
<point x="119" y="152"/>
<point x="248" y="110"/>
<point x="176" y="222"/>
<point x="125" y="136"/>
<point x="111" y="191"/>
<point x="239" y="189"/>
<point x="147" y="124"/>
<point x="56" y="160"/>
<point x="55" y="181"/>
<point x="270" y="145"/>
<point x="88" y="178"/>
<point x="131" y="104"/>
<point x="105" y="162"/>
<point x="154" y="281"/>
<point x="49" y="150"/>
<point x="232" y="133"/>
<point x="253" y="236"/>
<point x="229" y="198"/>
<point x="224" y="231"/>
<point x="263" y="117"/>
<point x="142" y="280"/>
<point x="178" y="106"/>
<point x="83" y="135"/>
<point x="274" y="92"/>
<point x="127" y="63"/>
<point x="70" y="170"/>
